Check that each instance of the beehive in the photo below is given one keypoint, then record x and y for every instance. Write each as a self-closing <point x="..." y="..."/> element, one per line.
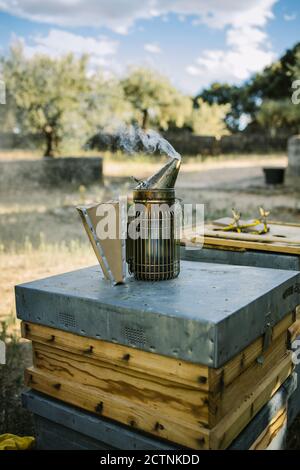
<point x="279" y="249"/>
<point x="190" y="360"/>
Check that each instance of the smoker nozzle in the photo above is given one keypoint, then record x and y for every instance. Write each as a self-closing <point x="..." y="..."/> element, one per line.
<point x="164" y="178"/>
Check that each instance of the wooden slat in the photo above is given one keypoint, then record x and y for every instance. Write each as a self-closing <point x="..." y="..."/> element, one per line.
<point x="178" y="371"/>
<point x="222" y="377"/>
<point x="294" y="331"/>
<point x="227" y="386"/>
<point x="163" y="425"/>
<point x="124" y="411"/>
<point x="158" y="394"/>
<point x="231" y="396"/>
<point x="266" y="437"/>
<point x="276" y="248"/>
<point x="277" y="240"/>
<point x="285" y="224"/>
<point x="282" y="238"/>
<point x="121" y="376"/>
<point x="233" y="423"/>
<point x="184" y="401"/>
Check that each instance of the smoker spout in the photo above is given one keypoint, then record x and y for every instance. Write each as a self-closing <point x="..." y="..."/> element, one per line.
<point x="165" y="178"/>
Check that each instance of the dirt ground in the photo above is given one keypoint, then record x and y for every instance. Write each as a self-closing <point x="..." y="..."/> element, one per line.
<point x="41" y="234"/>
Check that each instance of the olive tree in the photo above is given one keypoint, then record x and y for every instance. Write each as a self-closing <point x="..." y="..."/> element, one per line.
<point x="45" y="92"/>
<point x="209" y="119"/>
<point x="155" y="100"/>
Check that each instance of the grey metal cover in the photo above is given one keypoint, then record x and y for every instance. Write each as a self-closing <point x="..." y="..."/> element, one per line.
<point x="207" y="315"/>
<point x="260" y="259"/>
<point x="62" y="426"/>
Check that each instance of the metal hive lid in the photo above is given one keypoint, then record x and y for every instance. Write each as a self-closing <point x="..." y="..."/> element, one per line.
<point x="207" y="315"/>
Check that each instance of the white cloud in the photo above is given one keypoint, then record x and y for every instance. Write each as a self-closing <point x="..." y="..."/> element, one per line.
<point x="120" y="15"/>
<point x="247" y="47"/>
<point x="248" y="51"/>
<point x="58" y="42"/>
<point x="290" y="17"/>
<point x="152" y="48"/>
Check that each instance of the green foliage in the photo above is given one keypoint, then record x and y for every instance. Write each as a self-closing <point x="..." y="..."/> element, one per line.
<point x="45" y="92"/>
<point x="234" y="96"/>
<point x="60" y="100"/>
<point x="272" y="84"/>
<point x="102" y="107"/>
<point x="209" y="119"/>
<point x="155" y="100"/>
<point x="278" y="115"/>
<point x="295" y="68"/>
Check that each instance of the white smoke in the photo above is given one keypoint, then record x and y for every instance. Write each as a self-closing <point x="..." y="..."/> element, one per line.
<point x="132" y="139"/>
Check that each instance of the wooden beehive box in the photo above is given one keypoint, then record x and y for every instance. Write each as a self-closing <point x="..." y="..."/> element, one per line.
<point x="195" y="379"/>
<point x="186" y="403"/>
<point x="282" y="238"/>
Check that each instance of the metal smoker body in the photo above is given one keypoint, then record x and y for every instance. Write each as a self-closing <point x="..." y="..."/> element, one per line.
<point x="153" y="254"/>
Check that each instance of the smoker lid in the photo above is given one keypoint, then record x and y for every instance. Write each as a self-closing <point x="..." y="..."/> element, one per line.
<point x="207" y="315"/>
<point x="164" y="178"/>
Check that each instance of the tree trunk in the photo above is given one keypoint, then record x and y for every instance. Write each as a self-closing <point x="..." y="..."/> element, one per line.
<point x="145" y="119"/>
<point x="49" y="151"/>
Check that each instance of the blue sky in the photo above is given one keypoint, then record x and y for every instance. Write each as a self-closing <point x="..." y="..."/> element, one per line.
<point x="193" y="42"/>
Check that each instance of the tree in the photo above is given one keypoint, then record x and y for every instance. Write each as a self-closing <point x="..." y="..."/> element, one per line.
<point x="209" y="119"/>
<point x="46" y="92"/>
<point x="274" y="82"/>
<point x="277" y="111"/>
<point x="237" y="97"/>
<point x="105" y="105"/>
<point x="155" y="100"/>
<point x="102" y="109"/>
<point x="295" y="68"/>
<point x="279" y="115"/>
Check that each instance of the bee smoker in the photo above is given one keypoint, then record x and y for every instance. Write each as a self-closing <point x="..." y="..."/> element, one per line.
<point x="153" y="250"/>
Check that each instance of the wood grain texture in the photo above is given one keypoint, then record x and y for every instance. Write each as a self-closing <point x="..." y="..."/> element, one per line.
<point x="191" y="392"/>
<point x="194" y="375"/>
<point x="271" y="431"/>
<point x="226" y="399"/>
<point x="140" y="417"/>
<point x="294" y="331"/>
<point x="158" y="394"/>
<point x="233" y="423"/>
<point x="282" y="238"/>
<point x="222" y="377"/>
<point x="165" y="425"/>
<point x="250" y="245"/>
<point x="131" y="359"/>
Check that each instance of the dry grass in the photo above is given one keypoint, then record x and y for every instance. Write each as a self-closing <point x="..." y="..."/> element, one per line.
<point x="30" y="263"/>
<point x="36" y="154"/>
<point x="13" y="418"/>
